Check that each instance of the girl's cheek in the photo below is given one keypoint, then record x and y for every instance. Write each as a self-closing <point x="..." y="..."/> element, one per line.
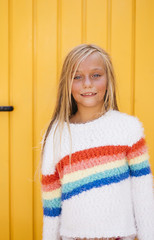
<point x="101" y="87"/>
<point x="101" y="84"/>
<point x="76" y="86"/>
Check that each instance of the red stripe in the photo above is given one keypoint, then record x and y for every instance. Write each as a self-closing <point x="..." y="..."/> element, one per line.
<point x="136" y="146"/>
<point x="51" y="186"/>
<point x="84" y="155"/>
<point x="89" y="163"/>
<point x="91" y="153"/>
<point x="138" y="152"/>
<point x="47" y="179"/>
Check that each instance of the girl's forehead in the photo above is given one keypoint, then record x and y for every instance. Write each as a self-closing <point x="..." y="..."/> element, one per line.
<point x="94" y="60"/>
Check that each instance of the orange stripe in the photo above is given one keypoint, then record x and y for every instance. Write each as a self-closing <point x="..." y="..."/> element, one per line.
<point x="89" y="163"/>
<point x="137" y="153"/>
<point x="90" y="153"/>
<point x="93" y="153"/>
<point x="137" y="148"/>
<point x="47" y="179"/>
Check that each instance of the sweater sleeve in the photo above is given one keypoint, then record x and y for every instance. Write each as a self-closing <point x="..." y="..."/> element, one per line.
<point x="141" y="185"/>
<point x="51" y="195"/>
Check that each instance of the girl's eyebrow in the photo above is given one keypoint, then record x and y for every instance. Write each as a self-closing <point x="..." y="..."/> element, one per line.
<point x="93" y="69"/>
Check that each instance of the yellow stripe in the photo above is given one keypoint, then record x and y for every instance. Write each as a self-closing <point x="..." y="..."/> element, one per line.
<point x="139" y="159"/>
<point x="86" y="172"/>
<point x="51" y="195"/>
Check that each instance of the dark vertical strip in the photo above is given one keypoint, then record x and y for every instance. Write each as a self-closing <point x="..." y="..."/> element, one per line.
<point x="83" y="21"/>
<point x="133" y="43"/>
<point x="9" y="123"/>
<point x="109" y="15"/>
<point x="59" y="12"/>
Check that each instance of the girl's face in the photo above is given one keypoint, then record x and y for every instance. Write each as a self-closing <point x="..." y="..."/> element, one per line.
<point x="89" y="83"/>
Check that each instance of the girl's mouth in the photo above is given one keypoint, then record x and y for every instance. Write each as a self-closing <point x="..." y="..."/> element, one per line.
<point x="88" y="94"/>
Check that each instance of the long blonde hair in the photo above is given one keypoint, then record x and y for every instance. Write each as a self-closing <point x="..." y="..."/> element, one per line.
<point x="65" y="104"/>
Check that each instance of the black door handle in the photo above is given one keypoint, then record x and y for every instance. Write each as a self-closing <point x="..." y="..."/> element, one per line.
<point x="6" y="108"/>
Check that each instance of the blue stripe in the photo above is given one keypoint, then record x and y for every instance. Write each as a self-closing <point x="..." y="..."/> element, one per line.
<point x="51" y="212"/>
<point x="95" y="184"/>
<point x="138" y="173"/>
<point x="54" y="203"/>
<point x="67" y="187"/>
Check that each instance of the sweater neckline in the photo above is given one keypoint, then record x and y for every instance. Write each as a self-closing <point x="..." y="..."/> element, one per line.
<point x="91" y="122"/>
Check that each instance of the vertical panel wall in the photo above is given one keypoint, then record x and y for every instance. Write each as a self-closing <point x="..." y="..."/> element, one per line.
<point x="4" y="122"/>
<point x="95" y="23"/>
<point x="35" y="38"/>
<point x="21" y="119"/>
<point x="144" y="69"/>
<point x="122" y="51"/>
<point x="46" y="56"/>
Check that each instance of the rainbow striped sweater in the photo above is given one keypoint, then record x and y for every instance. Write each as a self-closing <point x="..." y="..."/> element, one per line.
<point x="108" y="190"/>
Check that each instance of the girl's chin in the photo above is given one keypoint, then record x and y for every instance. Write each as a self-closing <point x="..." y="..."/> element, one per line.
<point x="88" y="105"/>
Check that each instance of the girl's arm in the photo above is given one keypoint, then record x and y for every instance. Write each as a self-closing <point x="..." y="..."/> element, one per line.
<point x="51" y="199"/>
<point x="142" y="186"/>
<point x="51" y="195"/>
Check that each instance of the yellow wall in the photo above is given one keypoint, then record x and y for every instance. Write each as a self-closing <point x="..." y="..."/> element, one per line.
<point x="35" y="36"/>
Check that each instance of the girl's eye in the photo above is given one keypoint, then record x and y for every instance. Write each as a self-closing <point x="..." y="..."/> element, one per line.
<point x="96" y="75"/>
<point x="77" y="77"/>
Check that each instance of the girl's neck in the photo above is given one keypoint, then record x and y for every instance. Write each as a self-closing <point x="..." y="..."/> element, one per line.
<point x="82" y="117"/>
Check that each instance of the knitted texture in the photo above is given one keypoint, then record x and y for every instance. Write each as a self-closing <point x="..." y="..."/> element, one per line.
<point x="108" y="190"/>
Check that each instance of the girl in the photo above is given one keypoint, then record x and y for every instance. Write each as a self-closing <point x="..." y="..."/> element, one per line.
<point x="96" y="175"/>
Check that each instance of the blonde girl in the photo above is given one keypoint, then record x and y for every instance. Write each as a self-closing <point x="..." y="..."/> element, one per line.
<point x="95" y="167"/>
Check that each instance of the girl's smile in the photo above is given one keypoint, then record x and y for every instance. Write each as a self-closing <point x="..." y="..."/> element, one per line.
<point x="88" y="94"/>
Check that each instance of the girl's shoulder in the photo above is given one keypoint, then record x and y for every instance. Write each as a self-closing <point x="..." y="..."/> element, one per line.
<point x="131" y="126"/>
<point x="130" y="121"/>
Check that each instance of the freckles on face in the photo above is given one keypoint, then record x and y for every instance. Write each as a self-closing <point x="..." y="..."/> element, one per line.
<point x="90" y="81"/>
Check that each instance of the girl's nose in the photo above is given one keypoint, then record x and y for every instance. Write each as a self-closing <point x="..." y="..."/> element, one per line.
<point x="87" y="81"/>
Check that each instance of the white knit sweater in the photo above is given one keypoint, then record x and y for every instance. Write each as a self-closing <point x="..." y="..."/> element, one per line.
<point x="108" y="192"/>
